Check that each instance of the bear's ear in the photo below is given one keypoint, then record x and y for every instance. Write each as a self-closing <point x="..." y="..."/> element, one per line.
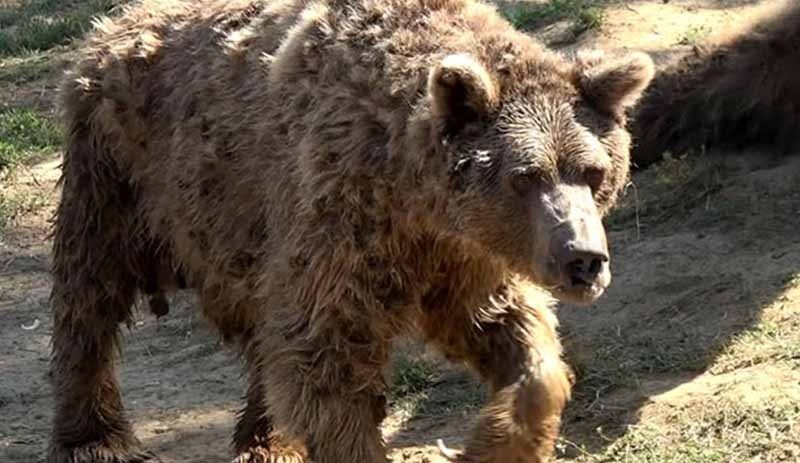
<point x="461" y="91"/>
<point x="613" y="84"/>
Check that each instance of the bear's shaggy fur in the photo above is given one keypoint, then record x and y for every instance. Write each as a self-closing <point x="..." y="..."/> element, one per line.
<point x="742" y="92"/>
<point x="329" y="176"/>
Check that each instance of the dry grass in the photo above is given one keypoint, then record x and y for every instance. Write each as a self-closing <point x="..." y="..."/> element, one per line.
<point x="675" y="187"/>
<point x="717" y="431"/>
<point x="775" y="338"/>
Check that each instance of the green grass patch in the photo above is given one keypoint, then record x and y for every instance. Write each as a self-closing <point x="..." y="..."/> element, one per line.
<point x="411" y="376"/>
<point x="529" y="16"/>
<point x="43" y="24"/>
<point x="24" y="134"/>
<point x="10" y="16"/>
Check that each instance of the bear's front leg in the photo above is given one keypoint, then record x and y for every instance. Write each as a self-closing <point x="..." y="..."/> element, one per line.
<point x="326" y="387"/>
<point x="512" y="343"/>
<point x="521" y="422"/>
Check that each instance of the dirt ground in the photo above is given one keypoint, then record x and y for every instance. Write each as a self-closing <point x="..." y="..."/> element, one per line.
<point x="706" y="252"/>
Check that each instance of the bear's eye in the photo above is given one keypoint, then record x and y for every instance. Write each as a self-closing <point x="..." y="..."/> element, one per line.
<point x="594" y="178"/>
<point x="523" y="182"/>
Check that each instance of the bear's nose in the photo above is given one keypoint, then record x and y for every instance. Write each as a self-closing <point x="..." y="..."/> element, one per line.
<point x="581" y="263"/>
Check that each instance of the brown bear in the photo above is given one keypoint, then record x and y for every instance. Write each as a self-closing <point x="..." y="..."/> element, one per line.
<point x="743" y="92"/>
<point x="329" y="176"/>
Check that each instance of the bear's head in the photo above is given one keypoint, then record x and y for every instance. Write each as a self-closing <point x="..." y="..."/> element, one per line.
<point x="537" y="152"/>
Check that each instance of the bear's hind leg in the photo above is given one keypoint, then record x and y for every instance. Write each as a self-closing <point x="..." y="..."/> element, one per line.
<point x="94" y="285"/>
<point x="89" y="424"/>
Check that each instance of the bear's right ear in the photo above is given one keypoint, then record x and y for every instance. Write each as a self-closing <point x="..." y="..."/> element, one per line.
<point x="613" y="83"/>
<point x="461" y="91"/>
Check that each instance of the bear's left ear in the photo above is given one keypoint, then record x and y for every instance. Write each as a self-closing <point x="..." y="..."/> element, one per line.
<point x="461" y="91"/>
<point x="613" y="84"/>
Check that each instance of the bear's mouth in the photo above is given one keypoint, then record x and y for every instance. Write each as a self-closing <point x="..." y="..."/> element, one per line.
<point x="579" y="292"/>
<point x="579" y="283"/>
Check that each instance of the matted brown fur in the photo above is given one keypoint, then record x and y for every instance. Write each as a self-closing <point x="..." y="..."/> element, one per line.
<point x="327" y="176"/>
<point x="742" y="92"/>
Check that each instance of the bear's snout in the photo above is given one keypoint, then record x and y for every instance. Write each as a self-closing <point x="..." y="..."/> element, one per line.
<point x="584" y="267"/>
<point x="578" y="261"/>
